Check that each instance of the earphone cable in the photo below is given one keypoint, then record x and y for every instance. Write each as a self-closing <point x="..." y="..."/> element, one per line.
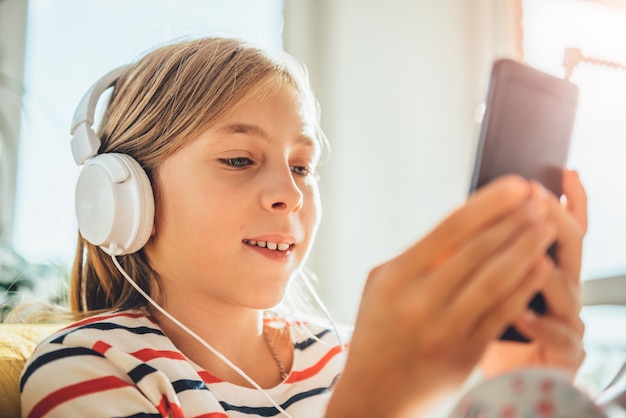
<point x="323" y="308"/>
<point x="112" y="251"/>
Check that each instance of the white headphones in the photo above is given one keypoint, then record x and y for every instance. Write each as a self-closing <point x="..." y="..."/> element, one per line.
<point x="114" y="199"/>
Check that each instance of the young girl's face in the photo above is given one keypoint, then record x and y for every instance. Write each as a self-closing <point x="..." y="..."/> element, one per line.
<point x="238" y="207"/>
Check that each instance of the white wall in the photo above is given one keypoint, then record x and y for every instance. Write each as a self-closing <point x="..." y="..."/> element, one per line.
<point x="12" y="41"/>
<point x="399" y="83"/>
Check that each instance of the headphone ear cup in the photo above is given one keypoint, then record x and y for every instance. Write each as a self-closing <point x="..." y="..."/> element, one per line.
<point x="114" y="203"/>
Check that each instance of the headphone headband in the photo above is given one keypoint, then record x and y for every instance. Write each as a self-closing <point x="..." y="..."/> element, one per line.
<point x="114" y="200"/>
<point x="85" y="143"/>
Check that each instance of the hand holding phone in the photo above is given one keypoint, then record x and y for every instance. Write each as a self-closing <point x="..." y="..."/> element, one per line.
<point x="526" y="130"/>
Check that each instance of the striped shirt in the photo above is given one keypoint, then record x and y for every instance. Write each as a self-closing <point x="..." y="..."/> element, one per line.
<point x="121" y="364"/>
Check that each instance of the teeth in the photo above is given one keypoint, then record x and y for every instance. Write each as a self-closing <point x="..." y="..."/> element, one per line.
<point x="282" y="246"/>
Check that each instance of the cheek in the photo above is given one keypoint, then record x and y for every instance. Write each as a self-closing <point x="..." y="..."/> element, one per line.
<point x="314" y="209"/>
<point x="185" y="215"/>
<point x="211" y="216"/>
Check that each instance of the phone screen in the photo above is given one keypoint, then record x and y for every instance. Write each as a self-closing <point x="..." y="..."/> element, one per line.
<point x="526" y="130"/>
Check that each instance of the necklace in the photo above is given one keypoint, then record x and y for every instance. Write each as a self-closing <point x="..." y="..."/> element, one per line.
<point x="281" y="368"/>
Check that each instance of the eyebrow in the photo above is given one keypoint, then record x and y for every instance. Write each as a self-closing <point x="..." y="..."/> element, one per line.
<point x="255" y="130"/>
<point x="243" y="128"/>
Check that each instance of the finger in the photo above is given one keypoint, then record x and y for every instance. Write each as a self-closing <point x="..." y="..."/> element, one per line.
<point x="576" y="198"/>
<point x="561" y="344"/>
<point x="502" y="273"/>
<point x="549" y="331"/>
<point x="493" y="323"/>
<point x="452" y="275"/>
<point x="484" y="207"/>
<point x="563" y="297"/>
<point x="570" y="238"/>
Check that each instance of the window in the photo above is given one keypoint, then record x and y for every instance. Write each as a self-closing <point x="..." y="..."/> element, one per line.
<point x="598" y="149"/>
<point x="71" y="43"/>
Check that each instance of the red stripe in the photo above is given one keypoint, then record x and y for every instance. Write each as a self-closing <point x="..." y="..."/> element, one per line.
<point x="169" y="409"/>
<point x="208" y="377"/>
<point x="293" y="323"/>
<point x="162" y="406"/>
<point x="150" y="354"/>
<point x="176" y="411"/>
<point x="313" y="370"/>
<point x="77" y="390"/>
<point x="290" y="323"/>
<point x="101" y="347"/>
<point x="93" y="319"/>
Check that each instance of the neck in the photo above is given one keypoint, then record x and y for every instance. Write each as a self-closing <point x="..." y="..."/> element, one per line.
<point x="227" y="329"/>
<point x="236" y="333"/>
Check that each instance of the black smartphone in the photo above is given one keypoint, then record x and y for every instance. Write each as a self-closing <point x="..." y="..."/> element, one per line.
<point x="526" y="130"/>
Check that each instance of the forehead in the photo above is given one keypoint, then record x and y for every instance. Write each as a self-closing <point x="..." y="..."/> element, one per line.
<point x="280" y="103"/>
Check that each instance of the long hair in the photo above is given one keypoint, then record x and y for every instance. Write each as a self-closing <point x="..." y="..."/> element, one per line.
<point x="157" y="106"/>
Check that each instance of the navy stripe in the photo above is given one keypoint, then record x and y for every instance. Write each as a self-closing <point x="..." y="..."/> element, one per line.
<point x="188" y="384"/>
<point x="59" y="339"/>
<point x="108" y="326"/>
<point x="270" y="411"/>
<point x="143" y="415"/>
<point x="140" y="372"/>
<point x="52" y="356"/>
<point x="310" y="341"/>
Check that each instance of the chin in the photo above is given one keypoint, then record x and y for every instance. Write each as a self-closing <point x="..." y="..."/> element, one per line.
<point x="270" y="303"/>
<point x="265" y="301"/>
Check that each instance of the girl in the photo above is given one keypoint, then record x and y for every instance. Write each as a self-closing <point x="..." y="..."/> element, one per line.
<point x="184" y="317"/>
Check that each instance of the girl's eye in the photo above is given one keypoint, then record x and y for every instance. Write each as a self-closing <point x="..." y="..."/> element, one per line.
<point x="237" y="162"/>
<point x="301" y="170"/>
<point x="304" y="171"/>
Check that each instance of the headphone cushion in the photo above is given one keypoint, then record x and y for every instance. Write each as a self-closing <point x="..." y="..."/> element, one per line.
<point x="114" y="203"/>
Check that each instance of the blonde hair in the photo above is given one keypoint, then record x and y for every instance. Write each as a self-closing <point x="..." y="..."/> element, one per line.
<point x="160" y="103"/>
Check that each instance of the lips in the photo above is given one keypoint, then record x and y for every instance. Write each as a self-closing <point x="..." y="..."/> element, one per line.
<point x="270" y="245"/>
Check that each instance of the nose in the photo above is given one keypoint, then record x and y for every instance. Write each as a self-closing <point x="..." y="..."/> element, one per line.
<point x="281" y="192"/>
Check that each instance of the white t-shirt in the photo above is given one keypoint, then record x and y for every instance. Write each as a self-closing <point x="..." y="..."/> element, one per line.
<point x="122" y="364"/>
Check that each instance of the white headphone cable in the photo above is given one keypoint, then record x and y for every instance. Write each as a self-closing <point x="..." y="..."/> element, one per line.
<point x="112" y="251"/>
<point x="323" y="307"/>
